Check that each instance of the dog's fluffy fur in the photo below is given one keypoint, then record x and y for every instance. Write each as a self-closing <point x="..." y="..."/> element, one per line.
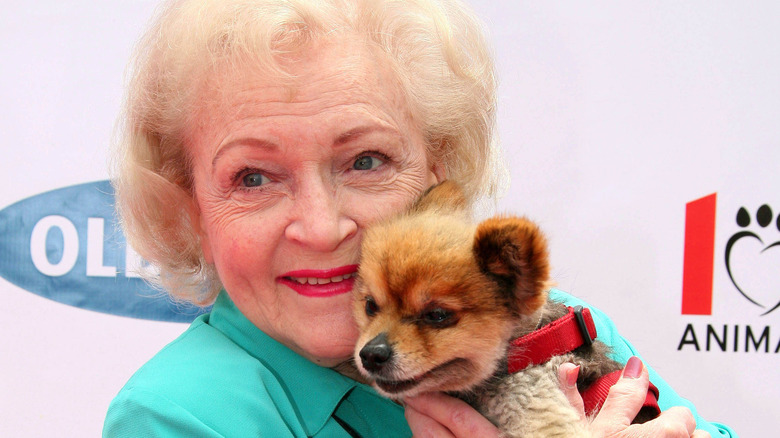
<point x="437" y="301"/>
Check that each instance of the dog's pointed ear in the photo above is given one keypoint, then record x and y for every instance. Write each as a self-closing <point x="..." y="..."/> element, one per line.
<point x="514" y="251"/>
<point x="447" y="196"/>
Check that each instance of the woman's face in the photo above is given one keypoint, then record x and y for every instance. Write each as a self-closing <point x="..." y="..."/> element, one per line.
<point x="286" y="180"/>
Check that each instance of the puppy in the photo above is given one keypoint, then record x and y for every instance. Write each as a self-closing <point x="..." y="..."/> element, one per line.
<point x="438" y="302"/>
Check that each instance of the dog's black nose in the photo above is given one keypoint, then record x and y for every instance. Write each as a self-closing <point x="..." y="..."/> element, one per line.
<point x="376" y="353"/>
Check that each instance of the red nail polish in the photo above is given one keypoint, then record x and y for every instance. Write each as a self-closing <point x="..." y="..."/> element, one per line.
<point x="633" y="368"/>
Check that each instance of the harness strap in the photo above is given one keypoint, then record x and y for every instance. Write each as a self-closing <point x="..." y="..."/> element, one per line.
<point x="594" y="396"/>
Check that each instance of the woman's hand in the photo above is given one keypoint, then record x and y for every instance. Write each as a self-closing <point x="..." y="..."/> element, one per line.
<point x="439" y="415"/>
<point x="624" y="401"/>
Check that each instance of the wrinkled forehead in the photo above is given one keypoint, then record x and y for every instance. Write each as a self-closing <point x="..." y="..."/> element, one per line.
<point x="341" y="75"/>
<point x="324" y="66"/>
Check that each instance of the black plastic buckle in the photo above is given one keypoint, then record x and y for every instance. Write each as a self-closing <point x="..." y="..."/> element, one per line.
<point x="586" y="339"/>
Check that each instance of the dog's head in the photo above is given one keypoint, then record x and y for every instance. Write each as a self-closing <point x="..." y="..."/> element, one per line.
<point x="437" y="299"/>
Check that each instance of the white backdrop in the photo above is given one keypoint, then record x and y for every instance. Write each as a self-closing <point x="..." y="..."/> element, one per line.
<point x="613" y="116"/>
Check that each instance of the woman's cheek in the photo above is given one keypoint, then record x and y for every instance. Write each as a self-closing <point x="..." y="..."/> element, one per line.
<point x="395" y="196"/>
<point x="234" y="237"/>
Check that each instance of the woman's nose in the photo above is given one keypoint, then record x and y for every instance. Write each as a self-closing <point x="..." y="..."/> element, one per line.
<point x="318" y="220"/>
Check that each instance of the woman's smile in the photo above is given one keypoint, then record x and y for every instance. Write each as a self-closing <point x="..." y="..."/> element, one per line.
<point x="321" y="282"/>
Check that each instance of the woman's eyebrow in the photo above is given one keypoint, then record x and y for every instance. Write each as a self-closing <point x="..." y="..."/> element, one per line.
<point x="253" y="142"/>
<point x="360" y="131"/>
<point x="346" y="137"/>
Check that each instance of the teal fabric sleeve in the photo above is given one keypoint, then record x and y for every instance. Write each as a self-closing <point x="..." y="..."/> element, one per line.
<point x="623" y="350"/>
<point x="140" y="413"/>
<point x="143" y="413"/>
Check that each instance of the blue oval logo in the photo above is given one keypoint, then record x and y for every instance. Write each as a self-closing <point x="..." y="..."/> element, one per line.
<point x="65" y="245"/>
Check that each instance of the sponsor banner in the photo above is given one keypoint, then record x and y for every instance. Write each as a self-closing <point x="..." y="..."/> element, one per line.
<point x="731" y="276"/>
<point x="66" y="245"/>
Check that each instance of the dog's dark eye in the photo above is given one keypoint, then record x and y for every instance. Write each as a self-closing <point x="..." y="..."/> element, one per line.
<point x="439" y="317"/>
<point x="371" y="307"/>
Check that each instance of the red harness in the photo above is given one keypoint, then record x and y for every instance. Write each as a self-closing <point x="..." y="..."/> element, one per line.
<point x="564" y="335"/>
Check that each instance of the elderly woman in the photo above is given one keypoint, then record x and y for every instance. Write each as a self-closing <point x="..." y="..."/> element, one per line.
<point x="260" y="138"/>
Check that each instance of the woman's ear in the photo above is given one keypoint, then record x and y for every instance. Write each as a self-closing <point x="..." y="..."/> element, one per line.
<point x="205" y="246"/>
<point x="438" y="172"/>
<point x="198" y="225"/>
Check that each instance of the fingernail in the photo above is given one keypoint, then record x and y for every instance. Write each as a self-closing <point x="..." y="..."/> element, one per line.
<point x="571" y="377"/>
<point x="633" y="368"/>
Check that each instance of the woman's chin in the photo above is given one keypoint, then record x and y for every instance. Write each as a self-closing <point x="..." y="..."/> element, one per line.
<point x="329" y="347"/>
<point x="329" y="357"/>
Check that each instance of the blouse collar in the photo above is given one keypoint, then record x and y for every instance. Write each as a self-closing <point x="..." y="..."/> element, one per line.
<point x="314" y="391"/>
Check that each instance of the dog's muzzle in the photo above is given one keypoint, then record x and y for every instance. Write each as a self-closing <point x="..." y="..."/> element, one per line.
<point x="376" y="353"/>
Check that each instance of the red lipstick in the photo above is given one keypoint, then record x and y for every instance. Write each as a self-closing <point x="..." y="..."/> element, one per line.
<point x="320" y="282"/>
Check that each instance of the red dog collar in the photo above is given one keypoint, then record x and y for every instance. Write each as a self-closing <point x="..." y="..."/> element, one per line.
<point x="561" y="336"/>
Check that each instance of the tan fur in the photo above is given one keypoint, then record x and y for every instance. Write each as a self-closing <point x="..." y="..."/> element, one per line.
<point x="438" y="299"/>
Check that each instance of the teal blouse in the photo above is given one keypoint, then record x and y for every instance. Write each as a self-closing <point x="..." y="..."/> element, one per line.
<point x="223" y="377"/>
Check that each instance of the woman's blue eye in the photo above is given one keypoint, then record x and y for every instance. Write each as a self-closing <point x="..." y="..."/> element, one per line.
<point x="254" y="179"/>
<point x="367" y="162"/>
